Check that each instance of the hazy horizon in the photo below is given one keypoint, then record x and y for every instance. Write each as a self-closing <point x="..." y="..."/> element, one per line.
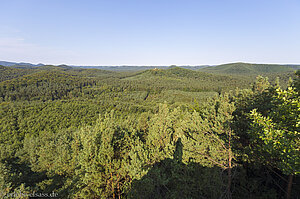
<point x="146" y="65"/>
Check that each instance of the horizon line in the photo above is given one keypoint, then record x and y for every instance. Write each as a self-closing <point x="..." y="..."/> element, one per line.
<point x="147" y="65"/>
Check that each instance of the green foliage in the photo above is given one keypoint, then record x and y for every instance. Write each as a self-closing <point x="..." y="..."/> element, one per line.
<point x="173" y="133"/>
<point x="259" y="97"/>
<point x="7" y="73"/>
<point x="297" y="81"/>
<point x="109" y="157"/>
<point x="278" y="133"/>
<point x="248" y="69"/>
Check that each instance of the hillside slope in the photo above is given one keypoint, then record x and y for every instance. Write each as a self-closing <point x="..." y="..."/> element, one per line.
<point x="182" y="79"/>
<point x="250" y="69"/>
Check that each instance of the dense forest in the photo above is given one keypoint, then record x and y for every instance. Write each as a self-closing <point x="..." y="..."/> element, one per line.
<point x="229" y="131"/>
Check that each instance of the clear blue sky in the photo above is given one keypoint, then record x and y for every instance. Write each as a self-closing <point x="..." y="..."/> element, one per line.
<point x="150" y="32"/>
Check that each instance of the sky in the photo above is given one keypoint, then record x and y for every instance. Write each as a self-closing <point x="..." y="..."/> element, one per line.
<point x="150" y="32"/>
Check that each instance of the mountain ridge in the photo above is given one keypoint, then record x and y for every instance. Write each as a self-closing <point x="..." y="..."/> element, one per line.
<point x="238" y="68"/>
<point x="241" y="68"/>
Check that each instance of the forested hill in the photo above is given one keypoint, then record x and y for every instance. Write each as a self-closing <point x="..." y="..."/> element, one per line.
<point x="6" y="63"/>
<point x="156" y="133"/>
<point x="250" y="69"/>
<point x="177" y="72"/>
<point x="58" y="82"/>
<point x="231" y="68"/>
<point x="158" y="79"/>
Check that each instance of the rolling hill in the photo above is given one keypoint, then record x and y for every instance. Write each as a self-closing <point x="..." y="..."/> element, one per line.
<point x="250" y="69"/>
<point x="21" y="64"/>
<point x="182" y="79"/>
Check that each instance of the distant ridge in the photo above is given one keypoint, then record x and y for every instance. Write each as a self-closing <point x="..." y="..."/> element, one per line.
<point x="6" y="63"/>
<point x="176" y="72"/>
<point x="138" y="68"/>
<point x="239" y="68"/>
<point x="250" y="69"/>
<point x="112" y="68"/>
